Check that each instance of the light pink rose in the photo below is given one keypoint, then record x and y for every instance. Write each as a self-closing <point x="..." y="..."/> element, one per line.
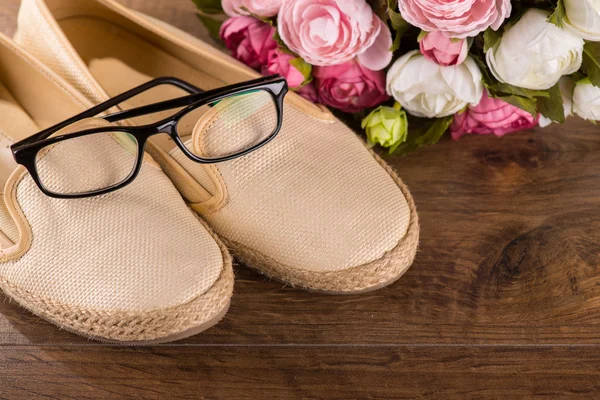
<point x="331" y="32"/>
<point x="491" y="116"/>
<point x="442" y="50"/>
<point x="249" y="40"/>
<point x="309" y="92"/>
<point x="350" y="87"/>
<point x="460" y="19"/>
<point x="278" y="63"/>
<point x="262" y="8"/>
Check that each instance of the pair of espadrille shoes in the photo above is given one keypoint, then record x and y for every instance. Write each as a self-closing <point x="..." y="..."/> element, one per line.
<point x="142" y="265"/>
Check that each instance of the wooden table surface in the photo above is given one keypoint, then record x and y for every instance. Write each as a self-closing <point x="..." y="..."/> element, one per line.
<point x="503" y="300"/>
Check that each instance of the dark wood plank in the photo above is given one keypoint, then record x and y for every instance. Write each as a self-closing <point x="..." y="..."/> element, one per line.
<point x="298" y="372"/>
<point x="508" y="251"/>
<point x="502" y="302"/>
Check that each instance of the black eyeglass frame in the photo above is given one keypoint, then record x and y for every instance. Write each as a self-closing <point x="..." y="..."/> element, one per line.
<point x="25" y="151"/>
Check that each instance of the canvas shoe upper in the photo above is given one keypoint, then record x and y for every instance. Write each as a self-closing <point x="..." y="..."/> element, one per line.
<point x="314" y="208"/>
<point x="133" y="266"/>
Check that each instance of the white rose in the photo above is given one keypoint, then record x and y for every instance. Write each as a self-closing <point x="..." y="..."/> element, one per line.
<point x="427" y="89"/>
<point x="586" y="101"/>
<point x="534" y="53"/>
<point x="566" y="86"/>
<point x="583" y="18"/>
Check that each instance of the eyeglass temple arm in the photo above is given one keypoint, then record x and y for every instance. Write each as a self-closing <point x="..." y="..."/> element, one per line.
<point x="153" y="108"/>
<point x="179" y="102"/>
<point x="103" y="107"/>
<point x="196" y="95"/>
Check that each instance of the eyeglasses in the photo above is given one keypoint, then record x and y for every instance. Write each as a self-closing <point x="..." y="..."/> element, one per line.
<point x="226" y="123"/>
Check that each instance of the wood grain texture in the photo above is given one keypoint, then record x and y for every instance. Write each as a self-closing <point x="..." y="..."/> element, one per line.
<point x="299" y="372"/>
<point x="502" y="301"/>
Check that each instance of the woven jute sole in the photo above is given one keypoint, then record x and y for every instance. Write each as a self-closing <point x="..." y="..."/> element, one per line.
<point x="130" y="328"/>
<point x="359" y="279"/>
<point x="185" y="334"/>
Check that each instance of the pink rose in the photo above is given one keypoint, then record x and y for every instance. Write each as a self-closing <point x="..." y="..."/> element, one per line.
<point x="331" y="32"/>
<point x="262" y="8"/>
<point x="309" y="92"/>
<point x="455" y="18"/>
<point x="249" y="40"/>
<point x="278" y="63"/>
<point x="491" y="116"/>
<point x="442" y="50"/>
<point x="350" y="87"/>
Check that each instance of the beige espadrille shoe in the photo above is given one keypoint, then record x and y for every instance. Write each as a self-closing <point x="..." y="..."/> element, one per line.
<point x="314" y="208"/>
<point x="135" y="266"/>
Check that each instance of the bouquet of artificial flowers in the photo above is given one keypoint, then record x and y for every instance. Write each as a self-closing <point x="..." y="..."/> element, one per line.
<point x="414" y="69"/>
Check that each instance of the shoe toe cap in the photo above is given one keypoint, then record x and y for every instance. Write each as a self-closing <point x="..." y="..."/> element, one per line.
<point x="121" y="265"/>
<point x="315" y="202"/>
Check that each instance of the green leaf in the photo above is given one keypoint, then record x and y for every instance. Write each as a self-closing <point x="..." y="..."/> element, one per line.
<point x="266" y="20"/>
<point x="392" y="4"/>
<point x="552" y="107"/>
<point x="578" y="75"/>
<point x="488" y="79"/>
<point x="558" y="15"/>
<point x="524" y="103"/>
<point x="212" y="25"/>
<point x="396" y="43"/>
<point x="491" y="38"/>
<point x="304" y="68"/>
<point x="396" y="19"/>
<point x="591" y="61"/>
<point x="398" y="24"/>
<point x="421" y="36"/>
<point x="281" y="45"/>
<point x="209" y="6"/>
<point x="525" y="99"/>
<point x="209" y="11"/>
<point x="501" y="87"/>
<point x="429" y="134"/>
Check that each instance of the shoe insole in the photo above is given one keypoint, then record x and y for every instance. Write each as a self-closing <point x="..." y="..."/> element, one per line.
<point x="95" y="38"/>
<point x="120" y="60"/>
<point x="15" y="124"/>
